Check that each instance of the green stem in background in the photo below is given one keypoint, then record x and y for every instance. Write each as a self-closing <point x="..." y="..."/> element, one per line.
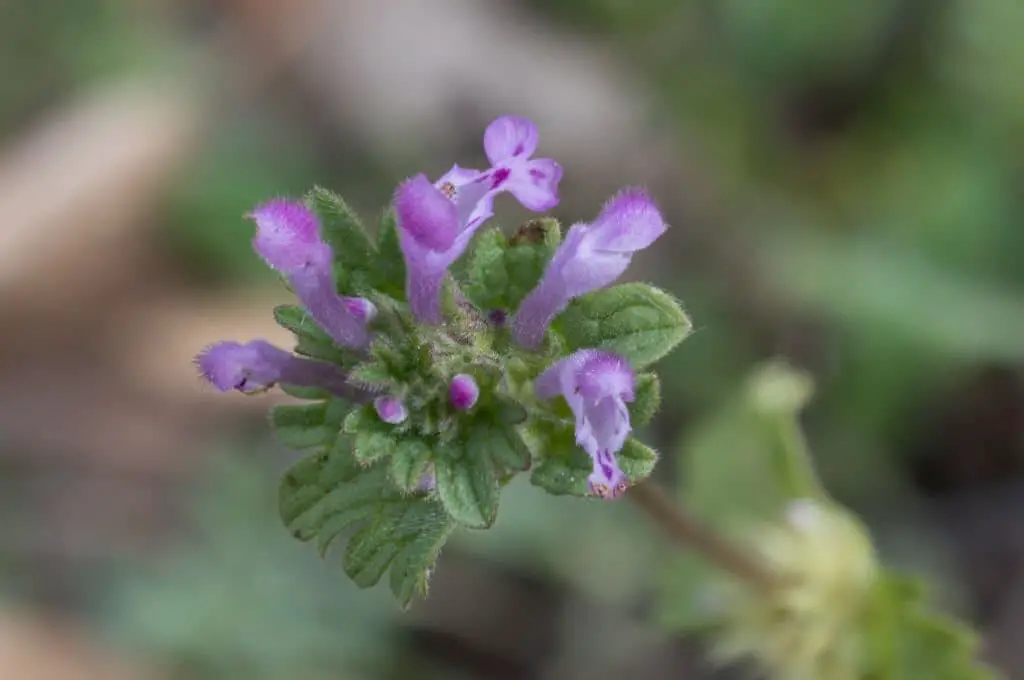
<point x="686" y="531"/>
<point x="793" y="457"/>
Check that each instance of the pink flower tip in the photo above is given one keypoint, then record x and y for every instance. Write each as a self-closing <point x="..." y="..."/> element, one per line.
<point x="464" y="392"/>
<point x="288" y="236"/>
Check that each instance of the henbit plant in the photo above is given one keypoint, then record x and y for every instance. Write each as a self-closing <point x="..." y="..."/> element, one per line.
<point x="429" y="387"/>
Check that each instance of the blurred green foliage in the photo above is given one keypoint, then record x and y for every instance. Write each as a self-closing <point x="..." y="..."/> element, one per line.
<point x="233" y="600"/>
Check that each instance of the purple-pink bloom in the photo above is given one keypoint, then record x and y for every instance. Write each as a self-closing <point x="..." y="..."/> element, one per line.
<point x="509" y="142"/>
<point x="591" y="257"/>
<point x="463" y="391"/>
<point x="437" y="220"/>
<point x="288" y="238"/>
<point x="390" y="409"/>
<point x="361" y="308"/>
<point x="258" y="365"/>
<point x="597" y="385"/>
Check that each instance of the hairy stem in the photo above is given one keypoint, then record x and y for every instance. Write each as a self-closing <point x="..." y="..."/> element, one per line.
<point x="687" y="531"/>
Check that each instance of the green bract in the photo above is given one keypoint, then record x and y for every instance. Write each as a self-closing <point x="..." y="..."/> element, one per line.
<point x="396" y="491"/>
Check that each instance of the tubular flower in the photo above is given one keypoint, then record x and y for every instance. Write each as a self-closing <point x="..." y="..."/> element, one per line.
<point x="437" y="220"/>
<point x="288" y="239"/>
<point x="597" y="385"/>
<point x="591" y="257"/>
<point x="257" y="365"/>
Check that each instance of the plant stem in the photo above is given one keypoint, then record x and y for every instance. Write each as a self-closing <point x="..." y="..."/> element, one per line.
<point x="688" y="532"/>
<point x="794" y="459"/>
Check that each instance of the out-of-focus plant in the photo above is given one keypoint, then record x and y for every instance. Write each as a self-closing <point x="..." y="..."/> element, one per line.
<point x="834" y="610"/>
<point x="234" y="601"/>
<point x="431" y="387"/>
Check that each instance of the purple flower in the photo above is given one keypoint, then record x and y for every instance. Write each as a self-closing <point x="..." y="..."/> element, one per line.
<point x="463" y="391"/>
<point x="509" y="142"/>
<point x="597" y="385"/>
<point x="288" y="238"/>
<point x="361" y="308"/>
<point x="591" y="257"/>
<point x="390" y="409"/>
<point x="438" y="220"/>
<point x="258" y="365"/>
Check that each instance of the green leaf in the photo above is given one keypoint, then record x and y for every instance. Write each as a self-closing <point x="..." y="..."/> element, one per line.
<point x="310" y="393"/>
<point x="637" y="460"/>
<point x="906" y="641"/>
<point x="468" y="488"/>
<point x="411" y="460"/>
<point x="486" y="278"/>
<point x="303" y="426"/>
<point x="560" y="478"/>
<point x="647" y="399"/>
<point x="388" y="275"/>
<point x="565" y="467"/>
<point x="500" y="443"/>
<point x="341" y="229"/>
<point x="529" y="250"/>
<point x="372" y="375"/>
<point x="325" y="494"/>
<point x="509" y="412"/>
<point x="311" y="340"/>
<point x="374" y="439"/>
<point x="636" y="320"/>
<point x="502" y="271"/>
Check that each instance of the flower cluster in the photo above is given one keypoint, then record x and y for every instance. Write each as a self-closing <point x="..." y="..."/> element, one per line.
<point x="442" y="358"/>
<point x="436" y="222"/>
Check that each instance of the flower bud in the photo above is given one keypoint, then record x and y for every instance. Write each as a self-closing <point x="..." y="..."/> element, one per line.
<point x="463" y="392"/>
<point x="390" y="409"/>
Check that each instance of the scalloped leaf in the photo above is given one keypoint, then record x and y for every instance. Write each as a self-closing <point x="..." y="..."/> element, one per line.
<point x="647" y="399"/>
<point x="388" y="275"/>
<point x="342" y="230"/>
<point x="502" y="271"/>
<point x="328" y="493"/>
<point x="468" y="488"/>
<point x="638" y="321"/>
<point x="304" y="426"/>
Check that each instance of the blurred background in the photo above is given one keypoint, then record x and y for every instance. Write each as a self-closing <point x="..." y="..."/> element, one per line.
<point x="844" y="183"/>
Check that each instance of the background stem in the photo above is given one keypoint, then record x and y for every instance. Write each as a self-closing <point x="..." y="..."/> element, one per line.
<point x="687" y="532"/>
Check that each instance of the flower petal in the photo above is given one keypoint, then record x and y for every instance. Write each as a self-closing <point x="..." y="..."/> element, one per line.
<point x="607" y="480"/>
<point x="425" y="214"/>
<point x="508" y="137"/>
<point x="591" y="270"/>
<point x="560" y="377"/>
<point x="390" y="409"/>
<point x="534" y="183"/>
<point x="609" y="423"/>
<point x="630" y="221"/>
<point x="258" y="365"/>
<point x="233" y="366"/>
<point x="605" y="374"/>
<point x="337" y="316"/>
<point x="288" y="237"/>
